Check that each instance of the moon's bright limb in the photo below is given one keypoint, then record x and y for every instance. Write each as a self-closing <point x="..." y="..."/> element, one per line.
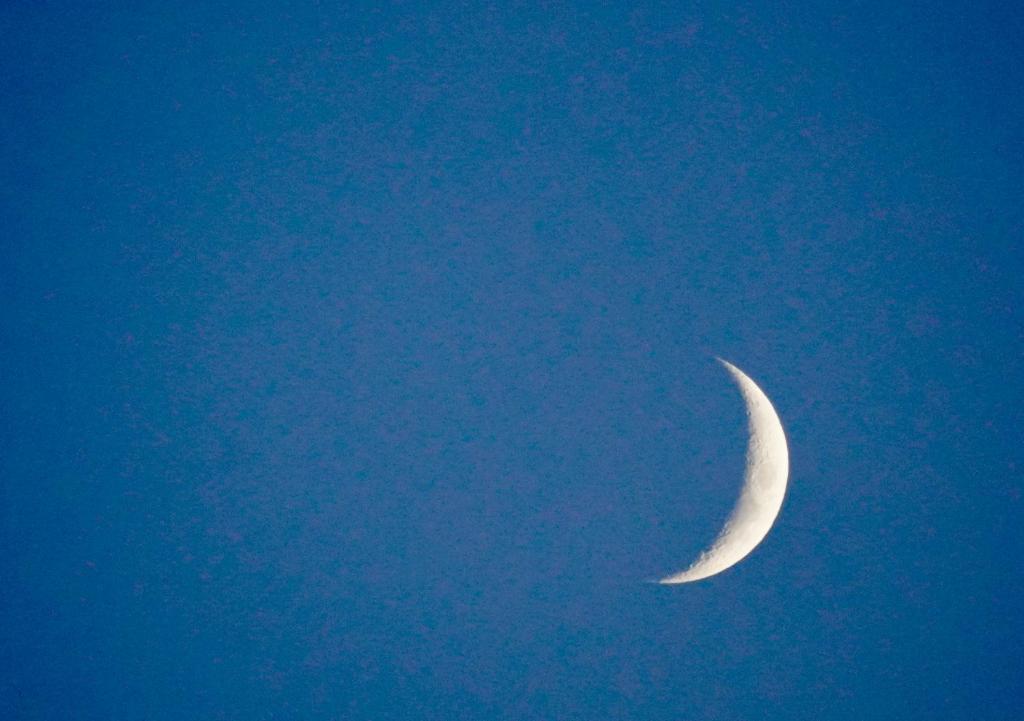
<point x="764" y="487"/>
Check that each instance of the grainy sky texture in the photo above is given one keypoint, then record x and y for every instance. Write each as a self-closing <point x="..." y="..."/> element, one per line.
<point x="357" y="361"/>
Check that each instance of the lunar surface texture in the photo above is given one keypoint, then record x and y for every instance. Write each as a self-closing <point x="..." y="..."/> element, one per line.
<point x="764" y="487"/>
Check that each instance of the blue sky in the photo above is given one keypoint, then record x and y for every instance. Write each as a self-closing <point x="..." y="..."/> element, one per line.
<point x="359" y="361"/>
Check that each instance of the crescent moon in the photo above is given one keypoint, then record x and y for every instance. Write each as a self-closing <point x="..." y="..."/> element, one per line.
<point x="764" y="487"/>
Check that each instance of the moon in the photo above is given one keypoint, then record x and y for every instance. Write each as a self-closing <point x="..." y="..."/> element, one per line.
<point x="764" y="487"/>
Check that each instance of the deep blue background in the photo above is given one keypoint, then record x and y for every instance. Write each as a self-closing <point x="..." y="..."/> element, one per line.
<point x="357" y="362"/>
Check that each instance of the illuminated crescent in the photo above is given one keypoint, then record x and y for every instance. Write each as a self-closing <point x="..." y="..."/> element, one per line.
<point x="764" y="487"/>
